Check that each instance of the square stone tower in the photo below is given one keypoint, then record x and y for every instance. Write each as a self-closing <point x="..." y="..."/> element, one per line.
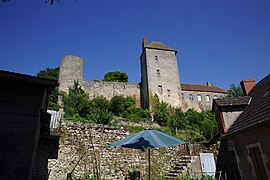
<point x="159" y="74"/>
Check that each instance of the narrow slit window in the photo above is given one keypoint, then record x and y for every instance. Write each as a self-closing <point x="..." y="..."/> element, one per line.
<point x="156" y="58"/>
<point x="160" y="88"/>
<point x="169" y="93"/>
<point x="158" y="72"/>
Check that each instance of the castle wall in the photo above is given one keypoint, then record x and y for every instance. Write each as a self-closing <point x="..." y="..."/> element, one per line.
<point x="204" y="104"/>
<point x="110" y="89"/>
<point x="71" y="68"/>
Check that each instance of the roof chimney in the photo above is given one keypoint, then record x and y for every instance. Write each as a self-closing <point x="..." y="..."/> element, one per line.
<point x="247" y="86"/>
<point x="145" y="42"/>
<point x="208" y="83"/>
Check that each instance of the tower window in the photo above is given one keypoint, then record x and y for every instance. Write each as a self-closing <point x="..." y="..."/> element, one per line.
<point x="156" y="58"/>
<point x="160" y="88"/>
<point x="169" y="92"/>
<point x="199" y="98"/>
<point x="183" y="96"/>
<point x="191" y="97"/>
<point x="207" y="98"/>
<point x="158" y="72"/>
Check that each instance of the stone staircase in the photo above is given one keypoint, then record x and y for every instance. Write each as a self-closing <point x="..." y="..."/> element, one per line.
<point x="180" y="166"/>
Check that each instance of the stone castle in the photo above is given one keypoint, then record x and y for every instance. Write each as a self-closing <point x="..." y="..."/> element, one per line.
<point x="159" y="75"/>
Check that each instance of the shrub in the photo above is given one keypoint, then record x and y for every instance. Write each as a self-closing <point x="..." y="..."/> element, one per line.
<point x="101" y="116"/>
<point x="77" y="102"/>
<point x="120" y="105"/>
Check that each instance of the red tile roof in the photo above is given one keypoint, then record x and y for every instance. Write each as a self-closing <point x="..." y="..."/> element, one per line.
<point x="258" y="111"/>
<point x="202" y="88"/>
<point x="158" y="45"/>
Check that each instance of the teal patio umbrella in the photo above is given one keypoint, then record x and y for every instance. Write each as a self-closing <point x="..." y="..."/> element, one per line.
<point x="146" y="139"/>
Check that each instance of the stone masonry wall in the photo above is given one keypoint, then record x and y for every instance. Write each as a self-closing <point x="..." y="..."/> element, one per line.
<point x="110" y="89"/>
<point x="91" y="143"/>
<point x="162" y="75"/>
<point x="195" y="103"/>
<point x="71" y="68"/>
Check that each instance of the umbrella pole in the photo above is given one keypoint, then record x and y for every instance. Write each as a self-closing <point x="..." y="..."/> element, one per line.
<point x="149" y="163"/>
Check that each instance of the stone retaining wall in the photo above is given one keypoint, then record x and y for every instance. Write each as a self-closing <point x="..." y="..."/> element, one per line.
<point x="90" y="143"/>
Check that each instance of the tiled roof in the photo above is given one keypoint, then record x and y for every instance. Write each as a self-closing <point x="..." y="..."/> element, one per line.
<point x="233" y="101"/>
<point x="258" y="111"/>
<point x="202" y="88"/>
<point x="158" y="45"/>
<point x="27" y="78"/>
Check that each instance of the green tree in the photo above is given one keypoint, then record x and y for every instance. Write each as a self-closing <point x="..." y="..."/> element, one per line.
<point x="120" y="105"/>
<point x="101" y="116"/>
<point x="193" y="119"/>
<point x="154" y="101"/>
<point x="100" y="111"/>
<point x="99" y="103"/>
<point x="181" y="120"/>
<point x="77" y="103"/>
<point x="208" y="126"/>
<point x="51" y="73"/>
<point x="138" y="114"/>
<point x="162" y="114"/>
<point x="235" y="91"/>
<point x="116" y="77"/>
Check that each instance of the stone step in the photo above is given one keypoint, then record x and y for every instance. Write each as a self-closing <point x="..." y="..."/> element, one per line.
<point x="169" y="177"/>
<point x="175" y="171"/>
<point x="173" y="174"/>
<point x="181" y="164"/>
<point x="179" y="168"/>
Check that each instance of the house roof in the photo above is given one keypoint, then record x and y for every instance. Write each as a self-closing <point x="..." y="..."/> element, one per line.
<point x="202" y="88"/>
<point x="158" y="45"/>
<point x="257" y="112"/>
<point x="27" y="78"/>
<point x="233" y="101"/>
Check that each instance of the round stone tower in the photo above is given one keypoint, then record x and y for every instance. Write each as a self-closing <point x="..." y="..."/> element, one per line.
<point x="71" y="68"/>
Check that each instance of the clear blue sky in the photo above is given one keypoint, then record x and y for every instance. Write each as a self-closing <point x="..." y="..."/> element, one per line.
<point x="221" y="41"/>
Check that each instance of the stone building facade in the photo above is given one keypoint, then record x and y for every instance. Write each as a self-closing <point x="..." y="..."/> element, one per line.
<point x="159" y="75"/>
